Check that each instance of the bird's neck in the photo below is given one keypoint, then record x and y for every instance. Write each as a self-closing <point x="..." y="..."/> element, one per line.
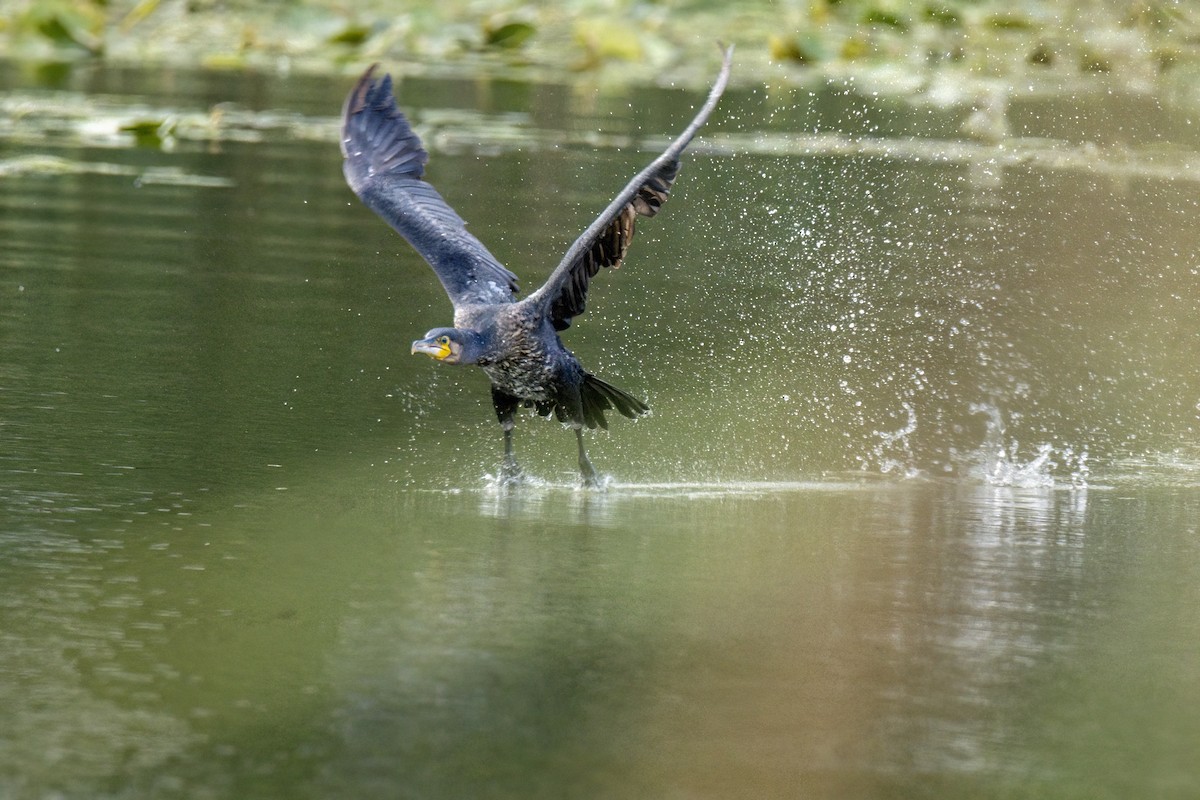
<point x="474" y="347"/>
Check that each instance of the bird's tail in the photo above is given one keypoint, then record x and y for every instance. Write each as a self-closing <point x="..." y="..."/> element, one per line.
<point x="598" y="397"/>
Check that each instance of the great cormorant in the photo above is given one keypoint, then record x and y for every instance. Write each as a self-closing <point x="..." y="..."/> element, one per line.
<point x="515" y="341"/>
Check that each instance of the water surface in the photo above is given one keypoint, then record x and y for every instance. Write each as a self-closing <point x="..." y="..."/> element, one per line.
<point x="915" y="514"/>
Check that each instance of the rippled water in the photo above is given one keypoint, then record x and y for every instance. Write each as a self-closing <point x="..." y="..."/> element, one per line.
<point x="916" y="513"/>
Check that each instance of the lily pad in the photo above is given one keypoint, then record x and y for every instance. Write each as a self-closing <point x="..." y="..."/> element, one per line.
<point x="352" y="34"/>
<point x="508" y="35"/>
<point x="796" y="49"/>
<point x="885" y="18"/>
<point x="147" y="132"/>
<point x="1010" y="22"/>
<point x="942" y="15"/>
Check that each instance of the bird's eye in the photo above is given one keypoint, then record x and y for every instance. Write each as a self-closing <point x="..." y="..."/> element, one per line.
<point x="443" y="340"/>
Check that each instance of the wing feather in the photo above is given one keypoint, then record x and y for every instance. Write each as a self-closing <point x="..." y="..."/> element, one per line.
<point x="384" y="164"/>
<point x="606" y="241"/>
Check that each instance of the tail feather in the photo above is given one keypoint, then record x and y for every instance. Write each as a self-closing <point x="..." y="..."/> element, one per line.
<point x="598" y="397"/>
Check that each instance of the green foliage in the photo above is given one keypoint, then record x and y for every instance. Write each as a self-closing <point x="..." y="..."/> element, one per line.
<point x="943" y="15"/>
<point x="1042" y="55"/>
<point x="796" y="49"/>
<point x="649" y="37"/>
<point x="148" y="132"/>
<point x="1094" y="62"/>
<point x="508" y="34"/>
<point x="1010" y="21"/>
<point x="886" y="18"/>
<point x="70" y="24"/>
<point x="353" y="34"/>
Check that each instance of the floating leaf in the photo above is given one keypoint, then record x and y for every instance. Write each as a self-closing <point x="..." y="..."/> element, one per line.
<point x="142" y="127"/>
<point x="942" y="15"/>
<point x="352" y="34"/>
<point x="148" y="132"/>
<point x="1094" y="62"/>
<point x="797" y="49"/>
<point x="881" y="16"/>
<point x="1166" y="58"/>
<point x="1010" y="22"/>
<point x="1042" y="55"/>
<point x="509" y="35"/>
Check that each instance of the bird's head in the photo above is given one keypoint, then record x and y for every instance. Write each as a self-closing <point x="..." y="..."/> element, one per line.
<point x="449" y="346"/>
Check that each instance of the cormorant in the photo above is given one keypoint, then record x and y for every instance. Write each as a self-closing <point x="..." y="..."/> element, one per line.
<point x="515" y="341"/>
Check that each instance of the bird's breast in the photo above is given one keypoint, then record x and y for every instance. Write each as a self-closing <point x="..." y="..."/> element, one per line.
<point x="528" y="375"/>
<point x="524" y="356"/>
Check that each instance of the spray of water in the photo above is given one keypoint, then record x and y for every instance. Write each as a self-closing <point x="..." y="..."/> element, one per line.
<point x="999" y="460"/>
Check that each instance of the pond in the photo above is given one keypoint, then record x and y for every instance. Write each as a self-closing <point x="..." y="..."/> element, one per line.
<point x="916" y="512"/>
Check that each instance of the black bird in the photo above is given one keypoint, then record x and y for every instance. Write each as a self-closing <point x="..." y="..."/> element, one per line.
<point x="515" y="342"/>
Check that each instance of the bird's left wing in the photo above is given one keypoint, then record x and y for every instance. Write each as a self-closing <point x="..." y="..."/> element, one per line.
<point x="604" y="243"/>
<point x="384" y="162"/>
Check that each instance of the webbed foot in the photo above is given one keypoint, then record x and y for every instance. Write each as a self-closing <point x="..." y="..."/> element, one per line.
<point x="587" y="474"/>
<point x="511" y="473"/>
<point x="586" y="471"/>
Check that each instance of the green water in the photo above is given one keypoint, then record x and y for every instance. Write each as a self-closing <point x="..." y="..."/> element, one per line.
<point x="916" y="514"/>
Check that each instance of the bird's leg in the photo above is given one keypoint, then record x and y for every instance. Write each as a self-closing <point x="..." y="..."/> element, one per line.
<point x="510" y="470"/>
<point x="586" y="470"/>
<point x="506" y="407"/>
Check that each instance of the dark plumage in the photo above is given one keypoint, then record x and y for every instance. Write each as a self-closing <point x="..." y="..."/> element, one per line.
<point x="515" y="342"/>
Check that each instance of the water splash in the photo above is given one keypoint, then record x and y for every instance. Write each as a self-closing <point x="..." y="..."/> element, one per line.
<point x="893" y="453"/>
<point x="998" y="461"/>
<point x="1002" y="467"/>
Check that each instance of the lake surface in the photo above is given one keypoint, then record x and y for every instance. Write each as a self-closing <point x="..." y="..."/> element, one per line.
<point x="917" y="513"/>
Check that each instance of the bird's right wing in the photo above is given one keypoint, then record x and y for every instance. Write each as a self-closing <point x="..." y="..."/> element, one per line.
<point x="384" y="162"/>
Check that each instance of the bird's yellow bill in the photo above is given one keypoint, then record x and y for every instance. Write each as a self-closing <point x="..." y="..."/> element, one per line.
<point x="433" y="349"/>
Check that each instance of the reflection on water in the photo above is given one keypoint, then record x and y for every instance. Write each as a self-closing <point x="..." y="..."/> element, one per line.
<point x="861" y="638"/>
<point x="915" y="515"/>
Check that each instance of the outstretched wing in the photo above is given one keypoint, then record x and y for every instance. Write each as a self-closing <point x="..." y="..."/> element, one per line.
<point x="606" y="240"/>
<point x="384" y="164"/>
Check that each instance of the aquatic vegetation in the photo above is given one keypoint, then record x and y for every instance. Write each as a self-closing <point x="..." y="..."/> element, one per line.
<point x="631" y="39"/>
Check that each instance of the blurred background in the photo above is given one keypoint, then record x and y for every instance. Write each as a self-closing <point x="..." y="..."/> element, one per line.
<point x="916" y="513"/>
<point x="1134" y="41"/>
